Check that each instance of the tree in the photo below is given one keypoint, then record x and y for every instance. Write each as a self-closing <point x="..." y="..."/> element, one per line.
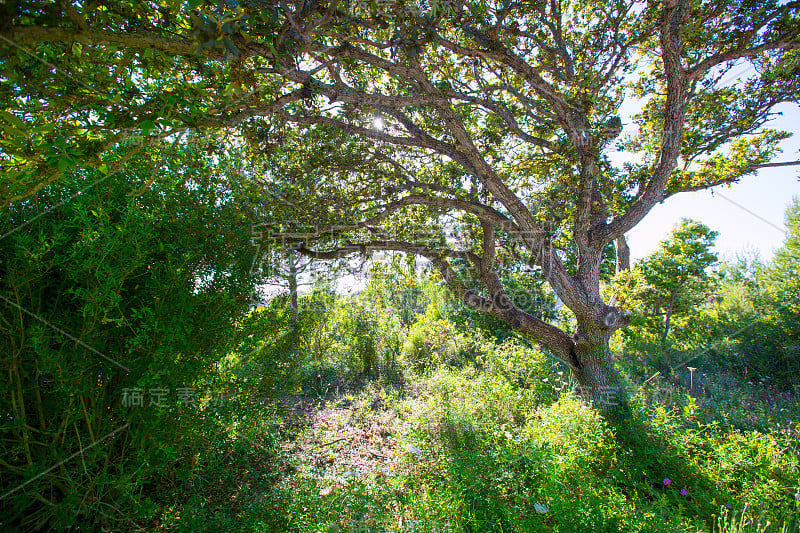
<point x="284" y="269"/>
<point x="395" y="285"/>
<point x="767" y="336"/>
<point x="377" y="120"/>
<point x="674" y="279"/>
<point x="783" y="272"/>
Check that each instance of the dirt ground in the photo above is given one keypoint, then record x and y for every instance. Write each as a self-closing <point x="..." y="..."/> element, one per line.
<point x="353" y="434"/>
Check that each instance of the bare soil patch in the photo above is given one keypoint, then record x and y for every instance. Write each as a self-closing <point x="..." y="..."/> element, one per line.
<point x="351" y="435"/>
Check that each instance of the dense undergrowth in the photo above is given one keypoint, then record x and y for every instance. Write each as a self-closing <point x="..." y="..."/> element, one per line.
<point x="489" y="454"/>
<point x="489" y="437"/>
<point x="485" y="434"/>
<point x="497" y="443"/>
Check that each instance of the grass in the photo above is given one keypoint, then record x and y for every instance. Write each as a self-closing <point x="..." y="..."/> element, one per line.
<point x="500" y="446"/>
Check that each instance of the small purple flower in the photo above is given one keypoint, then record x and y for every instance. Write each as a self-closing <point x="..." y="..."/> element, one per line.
<point x="729" y="506"/>
<point x="667" y="482"/>
<point x="684" y="492"/>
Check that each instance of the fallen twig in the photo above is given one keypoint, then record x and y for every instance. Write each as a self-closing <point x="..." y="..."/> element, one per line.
<point x="332" y="442"/>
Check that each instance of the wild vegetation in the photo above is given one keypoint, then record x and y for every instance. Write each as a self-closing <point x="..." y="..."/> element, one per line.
<point x="392" y="410"/>
<point x="470" y="133"/>
<point x="502" y="366"/>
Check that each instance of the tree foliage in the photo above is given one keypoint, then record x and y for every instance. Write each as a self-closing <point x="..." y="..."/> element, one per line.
<point x="100" y="300"/>
<point x="674" y="279"/>
<point x="765" y="332"/>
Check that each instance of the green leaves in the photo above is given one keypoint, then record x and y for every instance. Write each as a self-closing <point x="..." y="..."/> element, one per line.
<point x="672" y="280"/>
<point x="123" y="276"/>
<point x="11" y="124"/>
<point x="147" y="126"/>
<point x="61" y="155"/>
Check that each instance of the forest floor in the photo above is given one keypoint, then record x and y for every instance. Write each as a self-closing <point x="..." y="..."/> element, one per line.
<point x="459" y="451"/>
<point x="350" y="435"/>
<point x="337" y="452"/>
<point x="353" y="434"/>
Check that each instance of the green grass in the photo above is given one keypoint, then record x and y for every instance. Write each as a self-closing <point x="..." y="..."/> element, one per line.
<point x="500" y="446"/>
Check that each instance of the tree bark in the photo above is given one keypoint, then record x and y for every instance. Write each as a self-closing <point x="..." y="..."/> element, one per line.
<point x="668" y="315"/>
<point x="623" y="254"/>
<point x="293" y="290"/>
<point x="598" y="383"/>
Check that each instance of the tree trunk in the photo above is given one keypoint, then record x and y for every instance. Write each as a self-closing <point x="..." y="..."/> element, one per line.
<point x="623" y="254"/>
<point x="668" y="316"/>
<point x="293" y="290"/>
<point x="597" y="381"/>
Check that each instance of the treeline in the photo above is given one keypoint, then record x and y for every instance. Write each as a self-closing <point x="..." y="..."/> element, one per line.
<point x="740" y="317"/>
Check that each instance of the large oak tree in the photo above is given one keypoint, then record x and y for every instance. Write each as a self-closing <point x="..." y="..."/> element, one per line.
<point x="370" y="120"/>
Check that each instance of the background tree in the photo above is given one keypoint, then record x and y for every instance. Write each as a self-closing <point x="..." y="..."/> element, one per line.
<point x="674" y="279"/>
<point x="763" y="318"/>
<point x="396" y="285"/>
<point x="389" y="119"/>
<point x="283" y="269"/>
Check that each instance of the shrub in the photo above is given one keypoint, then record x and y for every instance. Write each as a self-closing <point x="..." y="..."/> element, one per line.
<point x="433" y="340"/>
<point x="108" y="295"/>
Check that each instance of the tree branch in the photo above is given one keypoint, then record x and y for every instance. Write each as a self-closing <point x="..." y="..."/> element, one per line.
<point x="551" y="337"/>
<point x="674" y="114"/>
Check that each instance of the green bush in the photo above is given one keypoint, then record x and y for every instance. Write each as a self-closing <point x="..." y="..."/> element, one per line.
<point x="582" y="444"/>
<point x="107" y="295"/>
<point x="715" y="465"/>
<point x="552" y="472"/>
<point x="525" y="368"/>
<point x="348" y="336"/>
<point x="433" y="341"/>
<point x="307" y="504"/>
<point x="315" y="323"/>
<point x="324" y="377"/>
<point x="497" y="445"/>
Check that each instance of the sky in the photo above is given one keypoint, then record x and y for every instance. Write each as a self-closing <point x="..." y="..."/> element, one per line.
<point x="748" y="215"/>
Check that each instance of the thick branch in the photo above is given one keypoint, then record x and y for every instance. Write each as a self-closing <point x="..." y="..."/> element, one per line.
<point x="26" y="35"/>
<point x="546" y="334"/>
<point x="531" y="76"/>
<point x="674" y="114"/>
<point x="704" y="66"/>
<point x="503" y="112"/>
<point x="357" y="130"/>
<point x="483" y="212"/>
<point x="349" y="95"/>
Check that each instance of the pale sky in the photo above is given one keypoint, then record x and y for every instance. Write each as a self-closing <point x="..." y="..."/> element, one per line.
<point x="756" y="224"/>
<point x="749" y="215"/>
